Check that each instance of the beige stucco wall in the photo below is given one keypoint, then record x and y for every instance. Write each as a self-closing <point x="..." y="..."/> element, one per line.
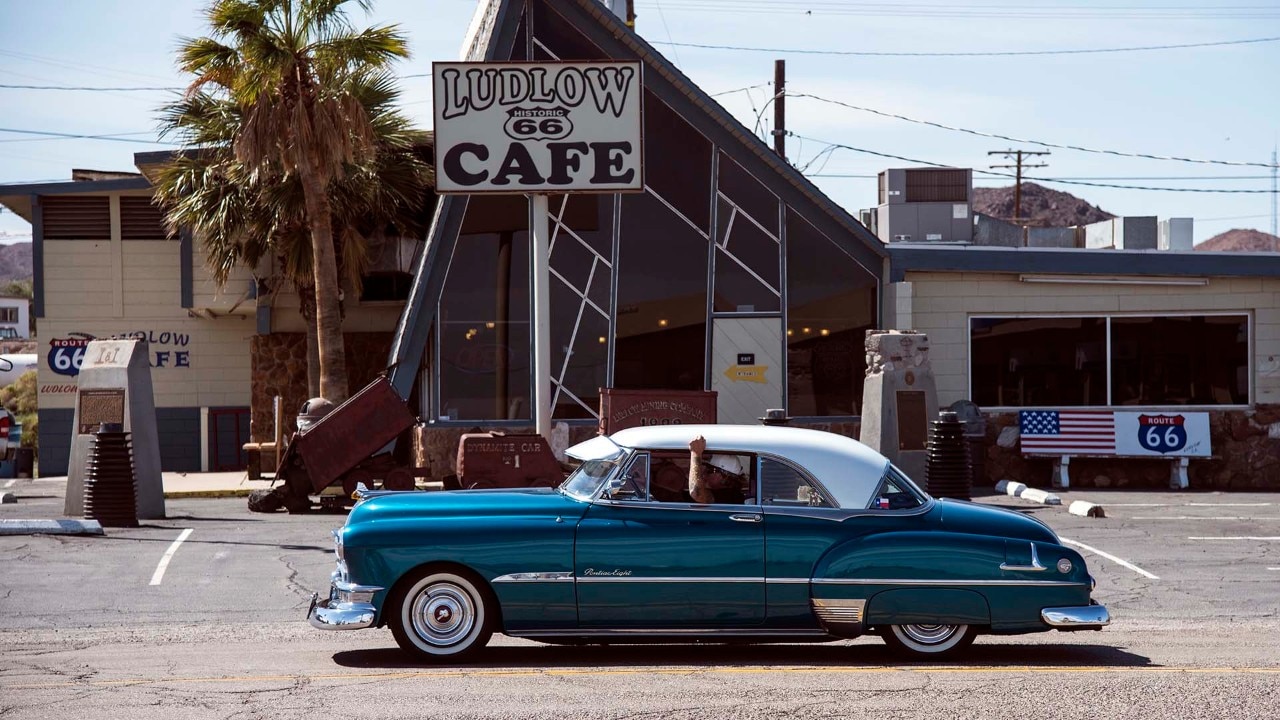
<point x="941" y="304"/>
<point x="133" y="287"/>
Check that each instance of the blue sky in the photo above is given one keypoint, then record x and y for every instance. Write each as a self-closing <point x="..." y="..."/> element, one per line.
<point x="1213" y="103"/>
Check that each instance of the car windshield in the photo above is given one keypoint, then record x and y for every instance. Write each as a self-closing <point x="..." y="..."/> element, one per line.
<point x="584" y="481"/>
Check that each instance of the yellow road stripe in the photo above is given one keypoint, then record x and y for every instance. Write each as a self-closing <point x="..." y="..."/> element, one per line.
<point x="836" y="669"/>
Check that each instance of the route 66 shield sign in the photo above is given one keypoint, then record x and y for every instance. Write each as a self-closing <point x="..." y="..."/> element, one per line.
<point x="1162" y="433"/>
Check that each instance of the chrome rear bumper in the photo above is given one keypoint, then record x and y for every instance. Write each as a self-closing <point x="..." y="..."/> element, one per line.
<point x="1088" y="617"/>
<point x="348" y="607"/>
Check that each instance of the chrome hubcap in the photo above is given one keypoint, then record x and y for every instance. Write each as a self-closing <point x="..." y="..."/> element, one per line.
<point x="443" y="614"/>
<point x="929" y="634"/>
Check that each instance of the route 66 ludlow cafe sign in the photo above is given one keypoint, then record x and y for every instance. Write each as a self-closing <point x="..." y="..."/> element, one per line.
<point x="537" y="127"/>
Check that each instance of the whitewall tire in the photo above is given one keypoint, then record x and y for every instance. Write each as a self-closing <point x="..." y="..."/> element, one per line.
<point x="441" y="615"/>
<point x="928" y="641"/>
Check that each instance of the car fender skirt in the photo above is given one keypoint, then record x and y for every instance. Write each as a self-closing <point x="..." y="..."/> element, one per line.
<point x="926" y="606"/>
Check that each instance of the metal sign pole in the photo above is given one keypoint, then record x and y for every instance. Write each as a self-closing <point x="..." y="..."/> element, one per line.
<point x="541" y="238"/>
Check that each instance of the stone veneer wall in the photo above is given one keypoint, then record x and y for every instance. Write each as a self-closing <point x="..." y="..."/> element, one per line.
<point x="279" y="367"/>
<point x="1246" y="456"/>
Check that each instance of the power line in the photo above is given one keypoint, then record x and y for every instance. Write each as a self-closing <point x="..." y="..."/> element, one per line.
<point x="87" y="88"/>
<point x="135" y="88"/>
<point x="1007" y="53"/>
<point x="1037" y="12"/>
<point x="115" y="138"/>
<point x="741" y="89"/>
<point x="1042" y="143"/>
<point x="1046" y="180"/>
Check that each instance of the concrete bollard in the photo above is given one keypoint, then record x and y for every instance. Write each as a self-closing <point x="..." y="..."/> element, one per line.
<point x="1010" y="487"/>
<point x="1086" y="509"/>
<point x="1040" y="496"/>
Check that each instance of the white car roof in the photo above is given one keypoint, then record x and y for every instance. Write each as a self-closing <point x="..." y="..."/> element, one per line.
<point x="849" y="470"/>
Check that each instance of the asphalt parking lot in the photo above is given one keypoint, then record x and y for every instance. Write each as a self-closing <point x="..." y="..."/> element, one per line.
<point x="136" y="624"/>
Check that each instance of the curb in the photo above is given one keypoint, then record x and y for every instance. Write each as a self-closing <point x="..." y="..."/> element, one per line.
<point x="1086" y="509"/>
<point x="225" y="493"/>
<point x="1019" y="490"/>
<point x="50" y="527"/>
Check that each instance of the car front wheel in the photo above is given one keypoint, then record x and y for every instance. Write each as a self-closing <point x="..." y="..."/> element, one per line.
<point x="441" y="615"/>
<point x="928" y="641"/>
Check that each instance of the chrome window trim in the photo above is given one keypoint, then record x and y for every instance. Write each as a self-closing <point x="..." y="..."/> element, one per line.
<point x="808" y="476"/>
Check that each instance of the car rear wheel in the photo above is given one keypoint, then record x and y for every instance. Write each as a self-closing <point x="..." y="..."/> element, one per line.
<point x="441" y="615"/>
<point x="932" y="641"/>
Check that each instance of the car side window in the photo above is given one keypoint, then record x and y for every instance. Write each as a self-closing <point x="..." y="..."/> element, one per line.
<point x="781" y="484"/>
<point x="633" y="483"/>
<point x="894" y="494"/>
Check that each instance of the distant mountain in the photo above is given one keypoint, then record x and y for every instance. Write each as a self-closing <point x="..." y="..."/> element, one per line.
<point x="1242" y="241"/>
<point x="1041" y="206"/>
<point x="15" y="261"/>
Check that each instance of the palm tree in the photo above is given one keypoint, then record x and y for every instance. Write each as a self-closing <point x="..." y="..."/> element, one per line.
<point x="244" y="215"/>
<point x="280" y="73"/>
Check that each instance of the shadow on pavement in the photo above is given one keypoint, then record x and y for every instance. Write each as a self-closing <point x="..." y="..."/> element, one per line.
<point x="995" y="655"/>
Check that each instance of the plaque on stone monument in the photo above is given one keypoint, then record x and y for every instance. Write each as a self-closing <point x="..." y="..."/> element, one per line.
<point x="913" y="421"/>
<point x="100" y="406"/>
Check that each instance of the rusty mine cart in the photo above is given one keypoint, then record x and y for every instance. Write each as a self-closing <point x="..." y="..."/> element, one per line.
<point x="352" y="444"/>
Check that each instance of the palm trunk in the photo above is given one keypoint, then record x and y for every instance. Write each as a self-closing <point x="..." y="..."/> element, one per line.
<point x="307" y="298"/>
<point x="324" y="267"/>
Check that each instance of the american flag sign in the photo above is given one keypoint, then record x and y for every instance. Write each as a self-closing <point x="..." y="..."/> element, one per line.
<point x="1068" y="432"/>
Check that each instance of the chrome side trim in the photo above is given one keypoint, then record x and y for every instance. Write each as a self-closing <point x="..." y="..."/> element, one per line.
<point x="839" y="612"/>
<point x="943" y="583"/>
<point x="1035" y="565"/>
<point x="1088" y="616"/>
<point x="787" y="581"/>
<point x="619" y="579"/>
<point x="641" y="632"/>
<point x="534" y="577"/>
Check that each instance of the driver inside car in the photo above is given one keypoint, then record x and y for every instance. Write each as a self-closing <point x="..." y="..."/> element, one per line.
<point x="716" y="478"/>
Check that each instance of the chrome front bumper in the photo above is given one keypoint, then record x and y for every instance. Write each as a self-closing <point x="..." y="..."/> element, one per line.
<point x="1089" y="617"/>
<point x="348" y="607"/>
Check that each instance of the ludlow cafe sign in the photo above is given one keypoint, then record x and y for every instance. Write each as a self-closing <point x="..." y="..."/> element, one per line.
<point x="538" y="128"/>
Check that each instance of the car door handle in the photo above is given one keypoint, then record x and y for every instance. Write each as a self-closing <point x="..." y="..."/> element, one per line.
<point x="746" y="517"/>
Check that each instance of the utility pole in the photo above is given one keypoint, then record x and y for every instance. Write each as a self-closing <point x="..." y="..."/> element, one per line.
<point x="1017" y="188"/>
<point x="780" y="108"/>
<point x="1274" y="167"/>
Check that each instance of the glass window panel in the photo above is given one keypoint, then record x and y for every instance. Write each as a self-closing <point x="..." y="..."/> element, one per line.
<point x="753" y="288"/>
<point x="831" y="303"/>
<point x="1193" y="360"/>
<point x="586" y="370"/>
<point x="677" y="162"/>
<point x="576" y="327"/>
<point x="484" y="315"/>
<point x="749" y="194"/>
<point x="1051" y="361"/>
<point x="781" y="484"/>
<point x="662" y="299"/>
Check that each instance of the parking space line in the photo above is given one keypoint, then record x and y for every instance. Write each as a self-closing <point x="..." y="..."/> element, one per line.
<point x="168" y="555"/>
<point x="1234" y="537"/>
<point x="1198" y="517"/>
<point x="1112" y="558"/>
<point x="1258" y="504"/>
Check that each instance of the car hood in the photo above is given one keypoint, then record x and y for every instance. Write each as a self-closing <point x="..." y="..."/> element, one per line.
<point x="467" y="503"/>
<point x="967" y="517"/>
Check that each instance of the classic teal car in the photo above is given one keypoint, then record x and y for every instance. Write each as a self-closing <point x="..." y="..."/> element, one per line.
<point x="810" y="536"/>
